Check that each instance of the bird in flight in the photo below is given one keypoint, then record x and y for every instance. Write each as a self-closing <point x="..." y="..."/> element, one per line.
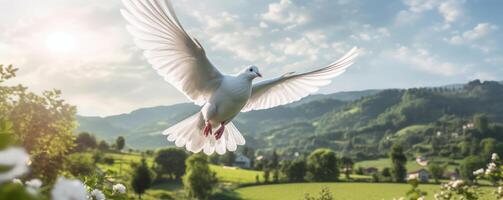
<point x="182" y="61"/>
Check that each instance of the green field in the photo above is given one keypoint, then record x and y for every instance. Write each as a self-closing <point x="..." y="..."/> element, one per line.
<point x="235" y="175"/>
<point x="385" y="162"/>
<point x="232" y="177"/>
<point x="340" y="191"/>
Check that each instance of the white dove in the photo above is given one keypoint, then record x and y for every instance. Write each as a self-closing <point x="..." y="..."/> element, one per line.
<point x="182" y="61"/>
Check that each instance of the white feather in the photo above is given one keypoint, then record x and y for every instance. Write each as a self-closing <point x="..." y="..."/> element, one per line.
<point x="182" y="61"/>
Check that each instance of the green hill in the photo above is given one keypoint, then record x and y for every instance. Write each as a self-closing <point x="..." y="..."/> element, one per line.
<point x="361" y="123"/>
<point x="366" y="127"/>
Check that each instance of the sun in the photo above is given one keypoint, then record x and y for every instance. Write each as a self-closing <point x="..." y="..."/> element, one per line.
<point x="60" y="42"/>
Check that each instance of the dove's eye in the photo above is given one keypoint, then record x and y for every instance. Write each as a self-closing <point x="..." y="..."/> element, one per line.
<point x="251" y="70"/>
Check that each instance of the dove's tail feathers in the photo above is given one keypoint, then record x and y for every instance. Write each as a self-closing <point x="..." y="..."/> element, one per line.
<point x="189" y="133"/>
<point x="229" y="141"/>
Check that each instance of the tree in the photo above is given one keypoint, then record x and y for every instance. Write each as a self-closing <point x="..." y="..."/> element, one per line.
<point x="322" y="166"/>
<point x="120" y="142"/>
<point x="103" y="146"/>
<point x="42" y="124"/>
<point x="85" y="141"/>
<point x="481" y="123"/>
<point x="347" y="164"/>
<point x="325" y="194"/>
<point x="470" y="164"/>
<point x="488" y="146"/>
<point x="199" y="180"/>
<point x="267" y="174"/>
<point x="171" y="162"/>
<point x="142" y="178"/>
<point x="80" y="164"/>
<point x="436" y="171"/>
<point x="275" y="176"/>
<point x="295" y="170"/>
<point x="275" y="159"/>
<point x="398" y="160"/>
<point x="228" y="158"/>
<point x="386" y="172"/>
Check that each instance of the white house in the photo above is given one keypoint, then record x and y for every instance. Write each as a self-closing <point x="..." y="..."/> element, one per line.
<point x="422" y="175"/>
<point x="242" y="161"/>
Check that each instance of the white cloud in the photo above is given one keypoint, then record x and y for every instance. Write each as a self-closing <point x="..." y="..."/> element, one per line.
<point x="263" y="25"/>
<point x="451" y="10"/>
<point x="422" y="60"/>
<point x="368" y="33"/>
<point x="285" y="12"/>
<point x="479" y="31"/>
<point x="418" y="6"/>
<point x="308" y="46"/>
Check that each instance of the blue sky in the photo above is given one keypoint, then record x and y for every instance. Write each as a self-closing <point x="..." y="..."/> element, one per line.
<point x="82" y="47"/>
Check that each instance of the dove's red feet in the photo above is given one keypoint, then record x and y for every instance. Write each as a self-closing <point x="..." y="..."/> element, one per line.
<point x="207" y="129"/>
<point x="220" y="131"/>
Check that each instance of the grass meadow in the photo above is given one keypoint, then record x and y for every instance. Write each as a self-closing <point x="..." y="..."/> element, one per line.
<point x="233" y="177"/>
<point x="340" y="191"/>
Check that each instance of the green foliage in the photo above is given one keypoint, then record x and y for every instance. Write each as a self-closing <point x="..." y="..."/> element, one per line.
<point x="469" y="165"/>
<point x="325" y="194"/>
<point x="347" y="164"/>
<point x="228" y="158"/>
<point x="120" y="142"/>
<point x="267" y="175"/>
<point x="171" y="162"/>
<point x="42" y="124"/>
<point x="85" y="141"/>
<point x="398" y="161"/>
<point x="12" y="191"/>
<point x="103" y="146"/>
<point x="142" y="178"/>
<point x="436" y="171"/>
<point x="295" y="170"/>
<point x="386" y="172"/>
<point x="6" y="133"/>
<point x="415" y="193"/>
<point x="275" y="176"/>
<point x="322" y="166"/>
<point x="199" y="180"/>
<point x="80" y="164"/>
<point x="481" y="123"/>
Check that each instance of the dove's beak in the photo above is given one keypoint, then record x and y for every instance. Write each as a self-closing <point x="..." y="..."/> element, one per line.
<point x="258" y="74"/>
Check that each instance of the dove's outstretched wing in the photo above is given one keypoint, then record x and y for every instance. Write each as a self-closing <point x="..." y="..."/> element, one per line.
<point x="176" y="56"/>
<point x="292" y="87"/>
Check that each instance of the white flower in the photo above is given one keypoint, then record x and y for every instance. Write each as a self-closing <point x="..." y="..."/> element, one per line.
<point x="17" y="181"/>
<point x="98" y="194"/>
<point x="494" y="157"/>
<point x="421" y="198"/>
<point x="66" y="189"/>
<point x="478" y="172"/>
<point x="413" y="176"/>
<point x="491" y="167"/>
<point x="455" y="184"/>
<point x="33" y="185"/>
<point x="16" y="159"/>
<point x="119" y="188"/>
<point x="500" y="190"/>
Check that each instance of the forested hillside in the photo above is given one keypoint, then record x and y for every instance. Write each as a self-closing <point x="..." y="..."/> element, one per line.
<point x="361" y="124"/>
<point x="428" y="121"/>
<point x="142" y="127"/>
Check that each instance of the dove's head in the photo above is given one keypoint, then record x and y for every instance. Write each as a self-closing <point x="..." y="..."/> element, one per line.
<point x="251" y="72"/>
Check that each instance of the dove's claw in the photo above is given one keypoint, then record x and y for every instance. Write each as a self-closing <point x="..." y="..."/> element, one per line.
<point x="220" y="131"/>
<point x="207" y="129"/>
